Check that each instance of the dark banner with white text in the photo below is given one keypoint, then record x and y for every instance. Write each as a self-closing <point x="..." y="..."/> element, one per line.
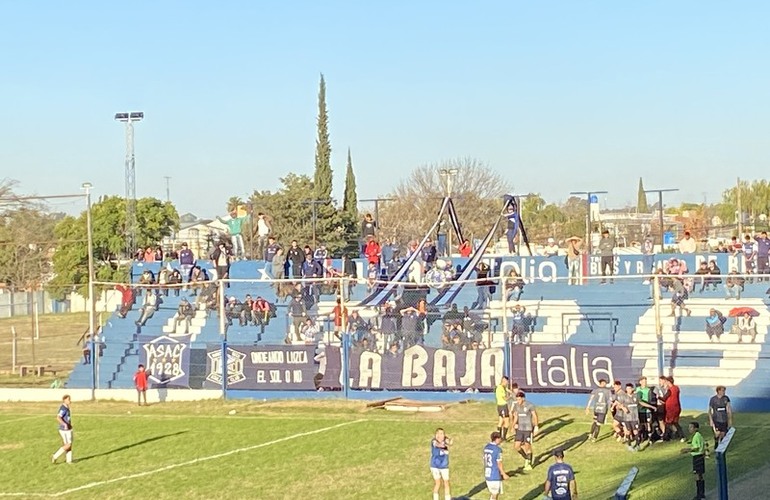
<point x="167" y="361"/>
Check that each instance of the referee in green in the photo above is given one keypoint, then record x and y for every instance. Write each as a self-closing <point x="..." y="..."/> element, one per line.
<point x="696" y="451"/>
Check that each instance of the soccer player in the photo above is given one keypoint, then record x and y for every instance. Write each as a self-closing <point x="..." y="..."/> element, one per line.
<point x="631" y="422"/>
<point x="439" y="462"/>
<point x="64" y="417"/>
<point x="644" y="396"/>
<point x="494" y="473"/>
<point x="140" y="381"/>
<point x="502" y="393"/>
<point x="602" y="396"/>
<point x="617" y="412"/>
<point x="720" y="414"/>
<point x="697" y="450"/>
<point x="560" y="481"/>
<point x="525" y="424"/>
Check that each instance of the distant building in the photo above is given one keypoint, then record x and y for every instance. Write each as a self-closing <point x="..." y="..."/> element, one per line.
<point x="199" y="234"/>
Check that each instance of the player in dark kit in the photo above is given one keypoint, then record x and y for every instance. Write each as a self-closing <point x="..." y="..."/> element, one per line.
<point x="525" y="424"/>
<point x="720" y="414"/>
<point x="64" y="418"/>
<point x="616" y="410"/>
<point x="696" y="450"/>
<point x="631" y="421"/>
<point x="647" y="407"/>
<point x="601" y="397"/>
<point x="560" y="481"/>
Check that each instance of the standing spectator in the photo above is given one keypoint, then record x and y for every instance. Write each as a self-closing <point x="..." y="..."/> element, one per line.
<point x="372" y="251"/>
<point x="87" y="350"/>
<point x="560" y="481"/>
<point x="149" y="254"/>
<point x="465" y="248"/>
<point x="368" y="230"/>
<point x="763" y="249"/>
<point x="389" y="249"/>
<point x="687" y="244"/>
<point x="749" y="255"/>
<point x="278" y="264"/>
<point x="715" y="324"/>
<point x="338" y="315"/>
<point x="271" y="249"/>
<point x="140" y="381"/>
<point x="747" y="326"/>
<point x="309" y="331"/>
<point x="297" y="312"/>
<point x="234" y="225"/>
<point x="175" y="280"/>
<point x="321" y="254"/>
<point x="428" y="254"/>
<point x="296" y="257"/>
<point x="648" y="255"/>
<point x="697" y="452"/>
<point x="551" y="249"/>
<point x="520" y="324"/>
<point x="607" y="253"/>
<point x="186" y="261"/>
<point x="158" y="254"/>
<point x="736" y="247"/>
<point x="511" y="228"/>
<point x="441" y="238"/>
<point x="263" y="231"/>
<point x="574" y="258"/>
<point x="482" y="286"/>
<point x="678" y="298"/>
<point x="220" y="258"/>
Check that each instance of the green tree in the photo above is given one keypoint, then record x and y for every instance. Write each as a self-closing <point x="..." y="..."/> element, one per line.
<point x="26" y="244"/>
<point x="155" y="220"/>
<point x="350" y="202"/>
<point x="641" y="199"/>
<point x="322" y="179"/>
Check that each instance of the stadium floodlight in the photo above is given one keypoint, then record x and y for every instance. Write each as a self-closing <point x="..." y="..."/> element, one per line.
<point x="130" y="172"/>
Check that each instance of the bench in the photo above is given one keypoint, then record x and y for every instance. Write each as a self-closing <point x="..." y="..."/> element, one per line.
<point x="625" y="486"/>
<point x="37" y="370"/>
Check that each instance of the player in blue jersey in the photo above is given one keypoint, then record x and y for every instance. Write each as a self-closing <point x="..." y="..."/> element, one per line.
<point x="560" y="482"/>
<point x="494" y="473"/>
<point x="64" y="417"/>
<point x="439" y="462"/>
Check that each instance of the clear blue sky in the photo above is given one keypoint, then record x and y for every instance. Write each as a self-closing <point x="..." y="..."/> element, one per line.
<point x="557" y="96"/>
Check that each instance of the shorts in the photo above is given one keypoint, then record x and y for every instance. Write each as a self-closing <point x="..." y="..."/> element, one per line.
<point x="503" y="411"/>
<point x="698" y="464"/>
<point x="671" y="418"/>
<point x="720" y="426"/>
<point x="631" y="425"/>
<point x="495" y="487"/>
<point x="66" y="436"/>
<point x="440" y="473"/>
<point x="599" y="417"/>
<point x="523" y="437"/>
<point x="644" y="417"/>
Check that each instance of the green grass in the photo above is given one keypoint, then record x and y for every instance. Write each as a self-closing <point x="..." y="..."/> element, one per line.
<point x="358" y="453"/>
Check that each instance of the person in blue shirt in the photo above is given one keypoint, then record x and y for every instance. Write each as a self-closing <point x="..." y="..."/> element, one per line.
<point x="439" y="462"/>
<point x="494" y="473"/>
<point x="560" y="482"/>
<point x="64" y="418"/>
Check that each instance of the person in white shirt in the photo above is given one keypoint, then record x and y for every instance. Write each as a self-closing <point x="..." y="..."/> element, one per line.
<point x="746" y="326"/>
<point x="687" y="244"/>
<point x="263" y="231"/>
<point x="551" y="249"/>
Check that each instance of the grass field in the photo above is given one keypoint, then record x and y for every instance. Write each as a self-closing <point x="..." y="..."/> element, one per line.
<point x="56" y="348"/>
<point x="321" y="450"/>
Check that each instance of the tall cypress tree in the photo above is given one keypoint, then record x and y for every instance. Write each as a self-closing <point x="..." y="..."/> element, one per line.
<point x="323" y="150"/>
<point x="641" y="199"/>
<point x="350" y="202"/>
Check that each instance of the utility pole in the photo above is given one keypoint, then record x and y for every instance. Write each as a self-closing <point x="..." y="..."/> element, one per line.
<point x="129" y="119"/>
<point x="376" y="202"/>
<point x="588" y="195"/>
<point x="660" y="210"/>
<point x="314" y="204"/>
<point x="168" y="188"/>
<point x="448" y="174"/>
<point x="740" y="211"/>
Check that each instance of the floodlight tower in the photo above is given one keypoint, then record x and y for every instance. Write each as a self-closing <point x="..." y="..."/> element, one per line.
<point x="129" y="119"/>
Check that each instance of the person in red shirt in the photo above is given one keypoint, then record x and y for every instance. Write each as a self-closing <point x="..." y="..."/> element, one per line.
<point x="126" y="299"/>
<point x="465" y="248"/>
<point x="140" y="380"/>
<point x="261" y="312"/>
<point x="339" y="313"/>
<point x="673" y="409"/>
<point x="373" y="252"/>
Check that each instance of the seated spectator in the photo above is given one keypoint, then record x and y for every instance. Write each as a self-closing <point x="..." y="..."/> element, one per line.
<point x="184" y="313"/>
<point x="747" y="326"/>
<point x="475" y="345"/>
<point x="702" y="273"/>
<point x="393" y="351"/>
<point x="247" y="311"/>
<point x="158" y="254"/>
<point x="734" y="284"/>
<point x="514" y="286"/>
<point x="520" y="322"/>
<point x="358" y="327"/>
<point x="551" y="249"/>
<point x="715" y="324"/>
<point x="126" y="299"/>
<point x="149" y="306"/>
<point x="456" y="344"/>
<point x="715" y="273"/>
<point x="261" y="312"/>
<point x="147" y="278"/>
<point x="371" y="277"/>
<point x="197" y="279"/>
<point x="163" y="275"/>
<point x="233" y="310"/>
<point x="175" y="280"/>
<point x="310" y="332"/>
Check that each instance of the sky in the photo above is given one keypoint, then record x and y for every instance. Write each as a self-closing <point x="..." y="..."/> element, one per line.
<point x="556" y="96"/>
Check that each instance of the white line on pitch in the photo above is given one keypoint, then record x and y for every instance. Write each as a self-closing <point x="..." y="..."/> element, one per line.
<point x="96" y="484"/>
<point x="20" y="419"/>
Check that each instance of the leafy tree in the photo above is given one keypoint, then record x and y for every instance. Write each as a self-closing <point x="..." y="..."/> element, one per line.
<point x="233" y="203"/>
<point x="350" y="202"/>
<point x="641" y="199"/>
<point x="155" y="220"/>
<point x="26" y="244"/>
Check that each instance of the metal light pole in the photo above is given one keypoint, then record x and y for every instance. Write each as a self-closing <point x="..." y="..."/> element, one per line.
<point x="449" y="175"/>
<point x="129" y="119"/>
<point x="660" y="210"/>
<point x="91" y="299"/>
<point x="314" y="204"/>
<point x="588" y="195"/>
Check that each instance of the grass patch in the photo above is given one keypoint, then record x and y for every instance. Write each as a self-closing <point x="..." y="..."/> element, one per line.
<point x="322" y="450"/>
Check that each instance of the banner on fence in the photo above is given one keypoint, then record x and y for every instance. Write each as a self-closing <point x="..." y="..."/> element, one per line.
<point x="167" y="361"/>
<point x="271" y="368"/>
<point x="570" y="367"/>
